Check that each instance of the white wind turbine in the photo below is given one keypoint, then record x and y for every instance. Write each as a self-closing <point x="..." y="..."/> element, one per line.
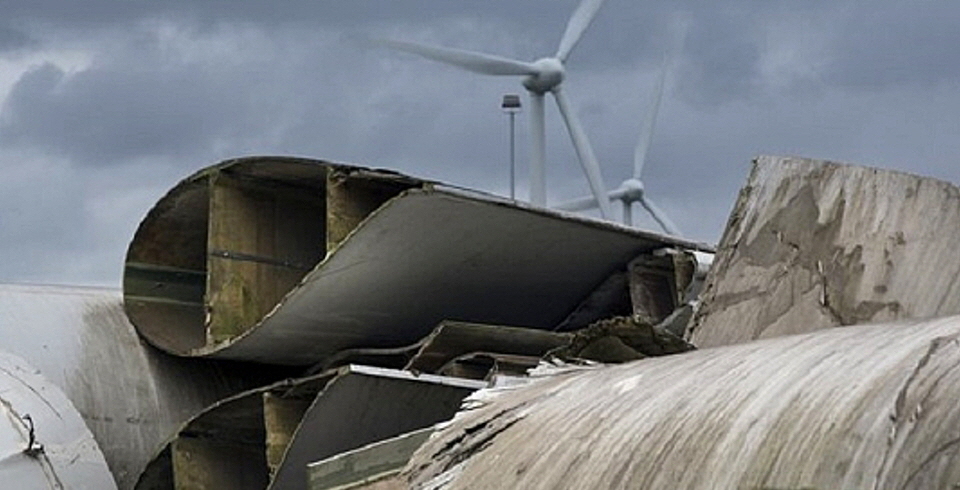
<point x="632" y="190"/>
<point x="541" y="76"/>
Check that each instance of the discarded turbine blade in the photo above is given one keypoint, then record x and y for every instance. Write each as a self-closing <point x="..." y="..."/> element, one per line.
<point x="851" y="407"/>
<point x="130" y="395"/>
<point x="578" y="23"/>
<point x="44" y="443"/>
<point x="385" y="357"/>
<point x="836" y="244"/>
<point x="264" y="438"/>
<point x="453" y="339"/>
<point x="485" y="365"/>
<point x="377" y="463"/>
<point x="486" y="64"/>
<point x="355" y="249"/>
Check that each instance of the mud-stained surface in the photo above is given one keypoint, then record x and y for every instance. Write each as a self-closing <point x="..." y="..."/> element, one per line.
<point x="620" y="339"/>
<point x="813" y="244"/>
<point x="859" y="407"/>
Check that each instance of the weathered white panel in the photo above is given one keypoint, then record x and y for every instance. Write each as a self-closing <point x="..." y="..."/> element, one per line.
<point x="813" y="244"/>
<point x="130" y="395"/>
<point x="44" y="443"/>
<point x="858" y="407"/>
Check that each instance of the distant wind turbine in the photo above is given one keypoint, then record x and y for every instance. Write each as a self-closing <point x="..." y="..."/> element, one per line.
<point x="632" y="190"/>
<point x="542" y="76"/>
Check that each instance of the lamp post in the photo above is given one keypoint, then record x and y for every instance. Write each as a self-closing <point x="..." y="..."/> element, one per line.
<point x="511" y="105"/>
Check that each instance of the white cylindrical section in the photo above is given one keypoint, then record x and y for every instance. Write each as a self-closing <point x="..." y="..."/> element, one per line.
<point x="538" y="179"/>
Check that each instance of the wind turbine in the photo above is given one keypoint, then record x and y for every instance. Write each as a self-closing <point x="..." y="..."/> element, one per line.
<point x="632" y="190"/>
<point x="541" y="76"/>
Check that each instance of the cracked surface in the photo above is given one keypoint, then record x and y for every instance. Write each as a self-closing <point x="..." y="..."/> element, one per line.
<point x="858" y="407"/>
<point x="813" y="244"/>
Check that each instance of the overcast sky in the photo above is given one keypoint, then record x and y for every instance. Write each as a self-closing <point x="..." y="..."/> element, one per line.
<point x="105" y="105"/>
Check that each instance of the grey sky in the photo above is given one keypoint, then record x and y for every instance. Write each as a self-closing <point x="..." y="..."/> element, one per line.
<point x="104" y="105"/>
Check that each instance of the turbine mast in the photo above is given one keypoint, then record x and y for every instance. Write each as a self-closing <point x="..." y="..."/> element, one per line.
<point x="538" y="178"/>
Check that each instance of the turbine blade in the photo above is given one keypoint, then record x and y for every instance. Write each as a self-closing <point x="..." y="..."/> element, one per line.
<point x="580" y="204"/>
<point x="588" y="161"/>
<point x="578" y="23"/>
<point x="659" y="216"/>
<point x="538" y="180"/>
<point x="589" y="202"/>
<point x="486" y="64"/>
<point x="646" y="135"/>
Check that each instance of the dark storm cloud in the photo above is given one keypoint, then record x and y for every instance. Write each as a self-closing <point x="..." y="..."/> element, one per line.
<point x="140" y="94"/>
<point x="144" y="94"/>
<point x="721" y="56"/>
<point x="106" y="115"/>
<point x="13" y="39"/>
<point x="897" y="43"/>
<point x="300" y="11"/>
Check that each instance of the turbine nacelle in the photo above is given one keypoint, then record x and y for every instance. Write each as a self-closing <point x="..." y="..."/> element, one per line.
<point x="549" y="75"/>
<point x="631" y="190"/>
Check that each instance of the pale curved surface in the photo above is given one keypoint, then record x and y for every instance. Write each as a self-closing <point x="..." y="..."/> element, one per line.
<point x="44" y="443"/>
<point x="418" y="253"/>
<point x="264" y="438"/>
<point x="857" y="407"/>
<point x="813" y="244"/>
<point x="428" y="256"/>
<point x="130" y="395"/>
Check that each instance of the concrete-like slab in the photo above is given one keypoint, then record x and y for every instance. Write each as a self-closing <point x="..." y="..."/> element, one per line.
<point x="854" y="407"/>
<point x="813" y="244"/>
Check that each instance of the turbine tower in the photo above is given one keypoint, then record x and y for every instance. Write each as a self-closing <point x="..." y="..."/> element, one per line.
<point x="542" y="76"/>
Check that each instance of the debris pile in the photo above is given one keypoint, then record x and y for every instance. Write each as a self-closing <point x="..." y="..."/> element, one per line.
<point x="809" y="245"/>
<point x="392" y="297"/>
<point x="856" y="407"/>
<point x="288" y="323"/>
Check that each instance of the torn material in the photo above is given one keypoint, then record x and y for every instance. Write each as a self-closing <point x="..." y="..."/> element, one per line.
<point x="858" y="407"/>
<point x="813" y="244"/>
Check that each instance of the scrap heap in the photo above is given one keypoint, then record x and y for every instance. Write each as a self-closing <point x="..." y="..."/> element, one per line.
<point x="385" y="300"/>
<point x="289" y="324"/>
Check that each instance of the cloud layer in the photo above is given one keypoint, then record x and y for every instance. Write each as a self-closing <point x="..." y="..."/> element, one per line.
<point x="104" y="105"/>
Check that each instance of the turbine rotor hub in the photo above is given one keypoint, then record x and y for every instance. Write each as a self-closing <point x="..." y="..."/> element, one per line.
<point x="549" y="75"/>
<point x="632" y="190"/>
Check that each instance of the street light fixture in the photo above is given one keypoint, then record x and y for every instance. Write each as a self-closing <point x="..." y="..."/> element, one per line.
<point x="511" y="105"/>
